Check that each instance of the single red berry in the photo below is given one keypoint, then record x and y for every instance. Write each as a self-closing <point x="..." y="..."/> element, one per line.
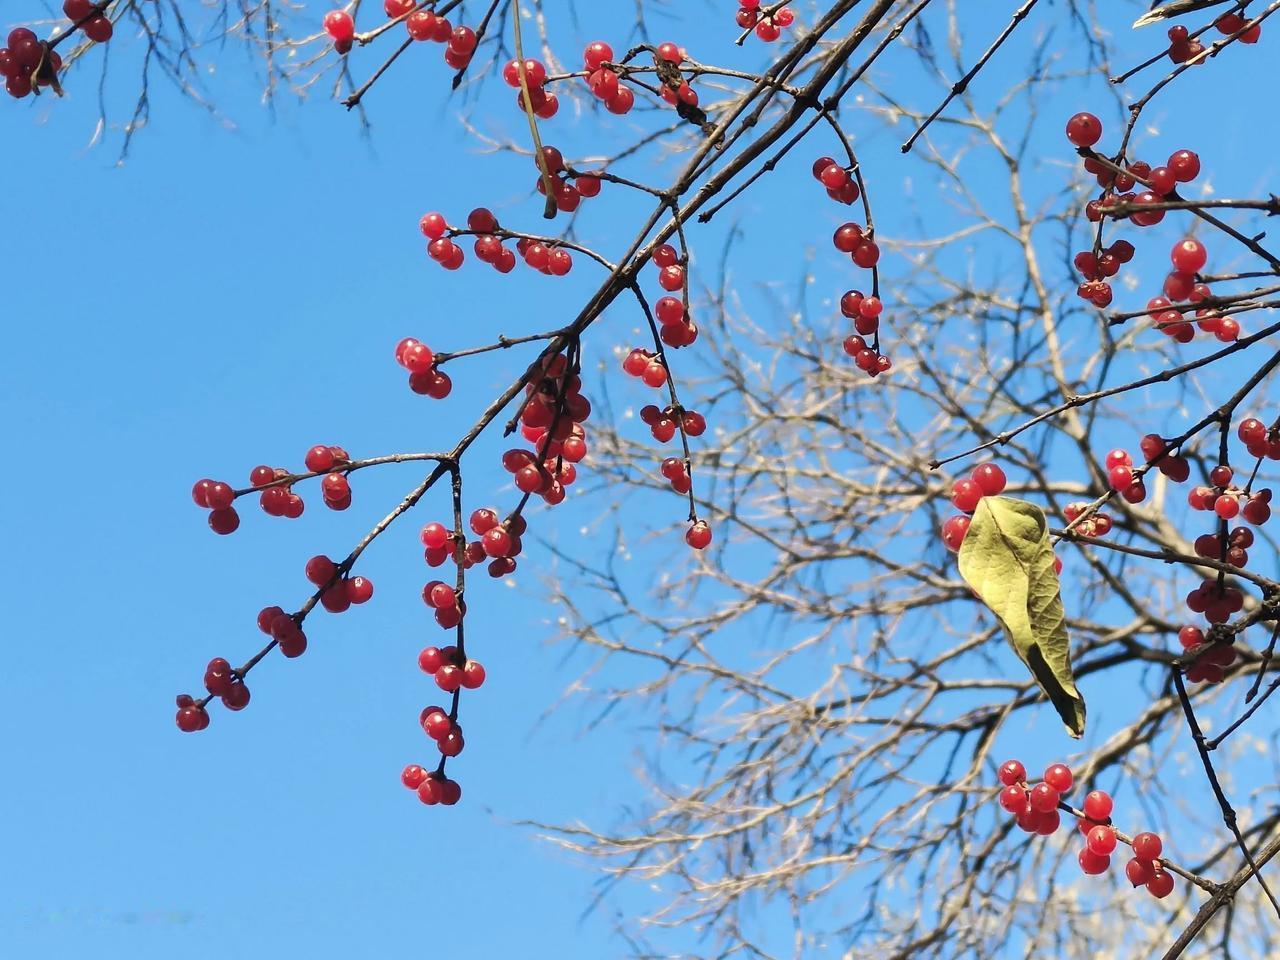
<point x="1147" y="846"/>
<point x="236" y="697"/>
<point x="436" y="723"/>
<point x="1043" y="797"/>
<point x="472" y="675"/>
<point x="1059" y="777"/>
<point x="192" y="718"/>
<point x="1188" y="255"/>
<point x="1160" y="884"/>
<point x="1014" y="799"/>
<point x="320" y="570"/>
<point x="224" y="521"/>
<point x="1092" y="863"/>
<point x="1012" y="772"/>
<point x="1102" y="840"/>
<point x="320" y="458"/>
<point x="339" y="25"/>
<point x="990" y="478"/>
<point x="698" y="536"/>
<point x="1097" y="805"/>
<point x="966" y="495"/>
<point x="430" y="660"/>
<point x="359" y="589"/>
<point x="412" y="776"/>
<point x="670" y="52"/>
<point x="1084" y="129"/>
<point x="1138" y="871"/>
<point x="954" y="531"/>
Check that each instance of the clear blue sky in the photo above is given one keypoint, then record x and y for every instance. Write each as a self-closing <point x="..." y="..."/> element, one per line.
<point x="227" y="298"/>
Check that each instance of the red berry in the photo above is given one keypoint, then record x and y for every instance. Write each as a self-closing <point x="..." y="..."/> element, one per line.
<point x="1014" y="799"/>
<point x="1059" y="777"/>
<point x="698" y="536"/>
<point x="954" y="531"/>
<point x="1084" y="130"/>
<point x="1097" y="805"/>
<point x="1160" y="884"/>
<point x="1102" y="840"/>
<point x="472" y="675"/>
<point x="1138" y="871"/>
<point x="990" y="478"/>
<point x="359" y="589"/>
<point x="224" y="521"/>
<point x="236" y="697"/>
<point x="449" y="678"/>
<point x="320" y="570"/>
<point x="192" y="718"/>
<point x="1147" y="846"/>
<point x="1043" y="798"/>
<point x="965" y="495"/>
<point x="339" y="25"/>
<point x="1188" y="255"/>
<point x="1012" y="772"/>
<point x="1092" y="863"/>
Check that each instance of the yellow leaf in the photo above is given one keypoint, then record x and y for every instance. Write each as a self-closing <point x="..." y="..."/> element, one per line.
<point x="1007" y="558"/>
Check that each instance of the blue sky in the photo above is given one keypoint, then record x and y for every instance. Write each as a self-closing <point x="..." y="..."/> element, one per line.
<point x="227" y="298"/>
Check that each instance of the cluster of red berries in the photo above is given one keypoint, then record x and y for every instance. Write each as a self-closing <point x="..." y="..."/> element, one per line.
<point x="840" y="182"/>
<point x="1210" y="664"/>
<point x="451" y="672"/>
<point x="1234" y="550"/>
<point x="1184" y="47"/>
<point x="670" y="269"/>
<point x="424" y="378"/>
<point x="433" y="788"/>
<point x="87" y="16"/>
<point x="551" y="420"/>
<point x="1258" y="440"/>
<point x="544" y="105"/>
<point x="1230" y="23"/>
<point x="768" y="26"/>
<point x="1036" y="810"/>
<point x="1189" y="256"/>
<point x="217" y="497"/>
<point x="1122" y="478"/>
<point x="1223" y="498"/>
<point x="1098" y="268"/>
<point x="985" y="480"/>
<point x="863" y="310"/>
<point x="27" y="62"/>
<point x="1217" y="601"/>
<point x="676" y="472"/>
<point x="24" y="62"/>
<point x="677" y="330"/>
<point x="284" y="630"/>
<point x="663" y="423"/>
<point x="1095" y="524"/>
<point x="865" y="358"/>
<point x="339" y="593"/>
<point x="421" y="25"/>
<point x="863" y="251"/>
<point x="675" y="93"/>
<point x="646" y="366"/>
<point x="499" y="544"/>
<point x="220" y="680"/>
<point x="568" y="195"/>
<point x="603" y="81"/>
